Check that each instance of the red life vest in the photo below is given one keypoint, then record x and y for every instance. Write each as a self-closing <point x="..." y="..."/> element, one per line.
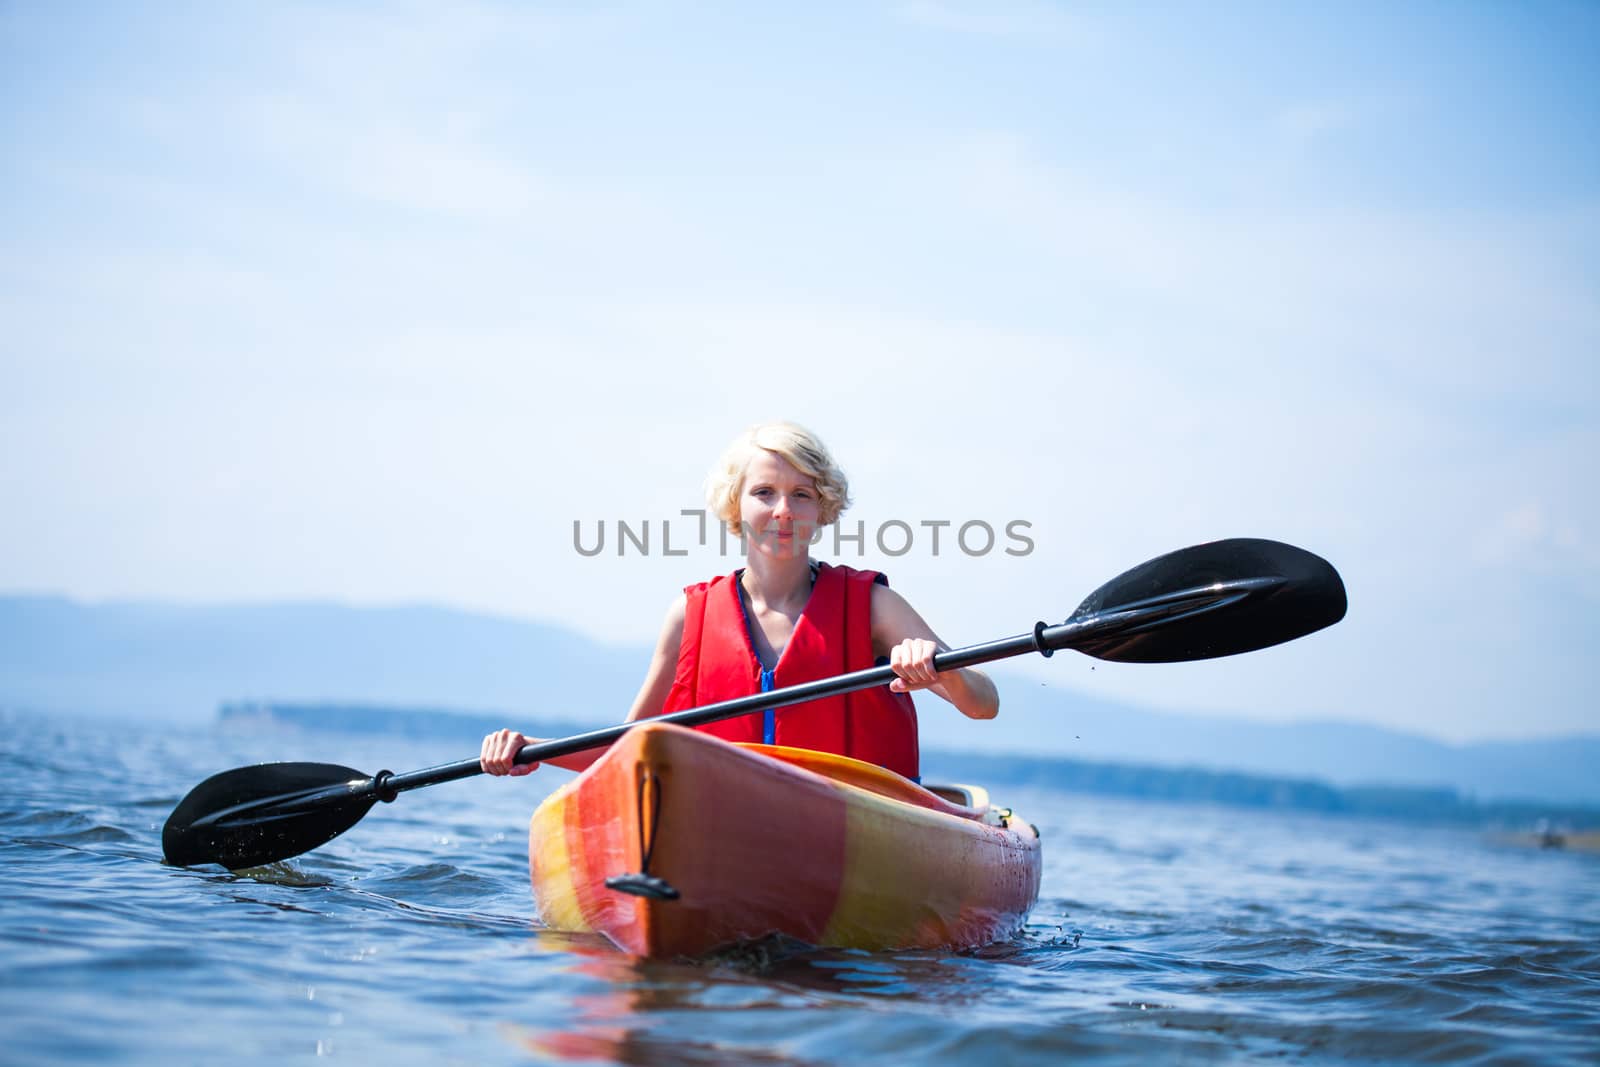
<point x="833" y="635"/>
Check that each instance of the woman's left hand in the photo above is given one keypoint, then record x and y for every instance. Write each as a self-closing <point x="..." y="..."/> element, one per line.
<point x="912" y="661"/>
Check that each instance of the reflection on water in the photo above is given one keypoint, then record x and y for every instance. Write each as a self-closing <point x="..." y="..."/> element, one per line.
<point x="1162" y="933"/>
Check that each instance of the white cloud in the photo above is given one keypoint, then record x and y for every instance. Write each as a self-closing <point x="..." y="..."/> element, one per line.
<point x="444" y="172"/>
<point x="1315" y="120"/>
<point x="1537" y="513"/>
<point x="1319" y="122"/>
<point x="1011" y="18"/>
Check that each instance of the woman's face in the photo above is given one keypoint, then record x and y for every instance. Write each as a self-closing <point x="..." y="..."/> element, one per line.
<point x="778" y="507"/>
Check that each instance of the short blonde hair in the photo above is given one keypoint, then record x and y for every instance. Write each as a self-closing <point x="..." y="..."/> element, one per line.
<point x="796" y="444"/>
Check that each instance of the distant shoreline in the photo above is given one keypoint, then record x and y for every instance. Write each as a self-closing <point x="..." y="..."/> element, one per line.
<point x="1528" y="822"/>
<point x="147" y="661"/>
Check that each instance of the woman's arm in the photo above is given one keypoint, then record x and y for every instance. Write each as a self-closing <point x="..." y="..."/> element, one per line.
<point x="910" y="643"/>
<point x="500" y="747"/>
<point x="663" y="664"/>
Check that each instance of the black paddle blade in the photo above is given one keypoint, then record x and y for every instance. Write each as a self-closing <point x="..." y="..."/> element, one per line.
<point x="255" y="815"/>
<point x="1216" y="599"/>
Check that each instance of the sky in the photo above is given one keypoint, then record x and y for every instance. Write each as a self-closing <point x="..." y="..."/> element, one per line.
<point x="380" y="304"/>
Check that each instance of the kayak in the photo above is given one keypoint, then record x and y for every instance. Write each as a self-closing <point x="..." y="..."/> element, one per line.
<point x="676" y="843"/>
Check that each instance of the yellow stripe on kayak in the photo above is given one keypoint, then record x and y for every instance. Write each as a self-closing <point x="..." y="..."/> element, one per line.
<point x="558" y="906"/>
<point x="913" y="877"/>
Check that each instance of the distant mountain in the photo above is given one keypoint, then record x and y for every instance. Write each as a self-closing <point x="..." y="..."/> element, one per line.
<point x="1036" y="719"/>
<point x="180" y="662"/>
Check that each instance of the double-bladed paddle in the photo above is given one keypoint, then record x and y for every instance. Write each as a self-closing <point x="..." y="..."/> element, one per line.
<point x="1216" y="599"/>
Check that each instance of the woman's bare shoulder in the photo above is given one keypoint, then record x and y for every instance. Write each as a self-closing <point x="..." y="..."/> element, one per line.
<point x="677" y="611"/>
<point x="894" y="619"/>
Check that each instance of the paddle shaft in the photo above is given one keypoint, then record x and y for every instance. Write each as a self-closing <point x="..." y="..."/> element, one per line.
<point x="727" y="709"/>
<point x="1043" y="639"/>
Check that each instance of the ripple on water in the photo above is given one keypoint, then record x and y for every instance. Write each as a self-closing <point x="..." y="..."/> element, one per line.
<point x="1189" y="934"/>
<point x="435" y="883"/>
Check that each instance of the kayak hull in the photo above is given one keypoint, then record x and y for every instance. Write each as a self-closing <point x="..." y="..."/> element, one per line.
<point x="759" y="840"/>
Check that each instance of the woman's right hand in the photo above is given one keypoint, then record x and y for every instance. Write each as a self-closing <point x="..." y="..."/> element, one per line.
<point x="500" y="748"/>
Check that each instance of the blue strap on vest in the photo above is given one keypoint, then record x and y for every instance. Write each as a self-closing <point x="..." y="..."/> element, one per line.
<point x="769" y="677"/>
<point x="769" y="722"/>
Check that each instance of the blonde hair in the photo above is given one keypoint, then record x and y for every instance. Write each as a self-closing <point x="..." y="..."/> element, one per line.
<point x="796" y="444"/>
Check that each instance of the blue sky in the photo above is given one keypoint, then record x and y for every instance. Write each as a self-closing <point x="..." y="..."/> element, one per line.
<point x="371" y="303"/>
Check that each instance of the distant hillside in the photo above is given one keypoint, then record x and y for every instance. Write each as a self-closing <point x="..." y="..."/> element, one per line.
<point x="1047" y="718"/>
<point x="442" y="723"/>
<point x="1234" y="789"/>
<point x="179" y="662"/>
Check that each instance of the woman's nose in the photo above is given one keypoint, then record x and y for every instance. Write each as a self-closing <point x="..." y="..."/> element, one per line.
<point x="781" y="507"/>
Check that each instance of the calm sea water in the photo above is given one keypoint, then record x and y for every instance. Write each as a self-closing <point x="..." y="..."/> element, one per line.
<point x="1163" y="934"/>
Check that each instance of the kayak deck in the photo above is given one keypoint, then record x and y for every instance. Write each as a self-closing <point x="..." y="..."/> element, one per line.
<point x="759" y="840"/>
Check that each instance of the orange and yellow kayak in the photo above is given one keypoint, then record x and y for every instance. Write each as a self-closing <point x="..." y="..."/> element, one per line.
<point x="709" y="843"/>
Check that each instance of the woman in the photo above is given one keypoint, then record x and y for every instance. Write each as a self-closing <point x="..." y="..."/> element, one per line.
<point x="784" y="619"/>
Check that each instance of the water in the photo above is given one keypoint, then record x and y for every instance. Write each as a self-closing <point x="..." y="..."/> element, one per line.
<point x="1163" y="934"/>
